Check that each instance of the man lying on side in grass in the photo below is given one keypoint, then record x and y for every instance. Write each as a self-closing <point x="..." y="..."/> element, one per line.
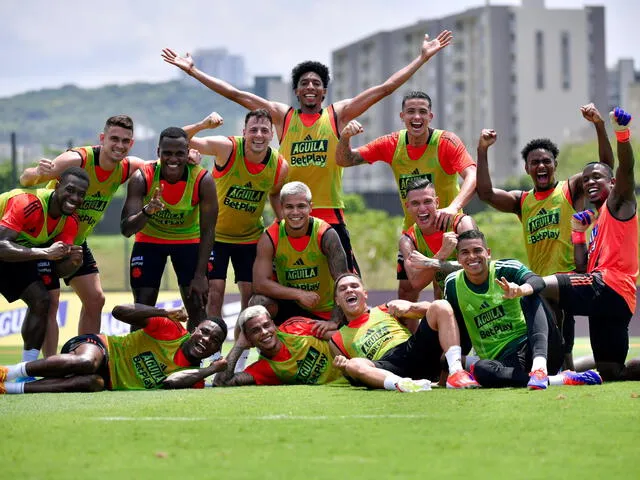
<point x="156" y="356"/>
<point x="289" y="354"/>
<point x="377" y="350"/>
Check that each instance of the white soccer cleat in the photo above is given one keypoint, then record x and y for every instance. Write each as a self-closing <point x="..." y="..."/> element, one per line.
<point x="408" y="385"/>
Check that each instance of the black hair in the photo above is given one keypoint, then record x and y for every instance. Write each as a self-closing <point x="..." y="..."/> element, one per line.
<point x="218" y="321"/>
<point x="537" y="143"/>
<point x="608" y="169"/>
<point x="416" y="94"/>
<point x="75" y="172"/>
<point x="123" y="121"/>
<point x="472" y="235"/>
<point x="347" y="274"/>
<point x="309" y="66"/>
<point x="173" y="132"/>
<point x="419" y="183"/>
<point x="259" y="113"/>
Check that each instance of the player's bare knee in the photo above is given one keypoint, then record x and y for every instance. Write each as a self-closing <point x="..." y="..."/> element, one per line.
<point x="355" y="367"/>
<point x="440" y="312"/>
<point x="91" y="383"/>
<point x="84" y="364"/>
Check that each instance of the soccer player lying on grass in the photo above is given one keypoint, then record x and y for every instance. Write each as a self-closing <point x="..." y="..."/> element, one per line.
<point x="377" y="350"/>
<point x="513" y="338"/>
<point x="289" y="354"/>
<point x="156" y="356"/>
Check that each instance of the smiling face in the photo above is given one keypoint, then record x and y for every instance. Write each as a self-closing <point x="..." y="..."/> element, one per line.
<point x="351" y="296"/>
<point x="296" y="210"/>
<point x="70" y="194"/>
<point x="541" y="167"/>
<point x="261" y="332"/>
<point x="473" y="256"/>
<point x="116" y="142"/>
<point x="173" y="154"/>
<point x="416" y="115"/>
<point x="258" y="133"/>
<point x="310" y="92"/>
<point x="205" y="340"/>
<point x="597" y="183"/>
<point x="422" y="205"/>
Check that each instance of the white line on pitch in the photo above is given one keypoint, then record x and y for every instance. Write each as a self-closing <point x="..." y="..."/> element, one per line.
<point x="266" y="417"/>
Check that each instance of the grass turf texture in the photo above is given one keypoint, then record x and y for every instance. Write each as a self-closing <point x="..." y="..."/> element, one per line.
<point x="325" y="432"/>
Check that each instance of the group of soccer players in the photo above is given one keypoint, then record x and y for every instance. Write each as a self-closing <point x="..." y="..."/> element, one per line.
<point x="304" y="304"/>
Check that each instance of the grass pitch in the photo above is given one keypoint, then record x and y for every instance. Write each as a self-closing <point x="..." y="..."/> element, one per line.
<point x="323" y="432"/>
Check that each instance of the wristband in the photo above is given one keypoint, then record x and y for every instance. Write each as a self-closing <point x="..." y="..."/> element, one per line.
<point x="578" y="237"/>
<point x="145" y="213"/>
<point x="623" y="135"/>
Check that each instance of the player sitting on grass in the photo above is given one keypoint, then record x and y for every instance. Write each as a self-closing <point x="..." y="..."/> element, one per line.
<point x="375" y="348"/>
<point x="513" y="338"/>
<point x="157" y="356"/>
<point x="289" y="354"/>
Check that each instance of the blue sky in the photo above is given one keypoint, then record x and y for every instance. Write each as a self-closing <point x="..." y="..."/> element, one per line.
<point x="48" y="43"/>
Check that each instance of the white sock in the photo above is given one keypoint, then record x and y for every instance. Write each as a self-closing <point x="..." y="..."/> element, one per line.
<point x="390" y="381"/>
<point x="469" y="361"/>
<point x="556" y="379"/>
<point x="454" y="358"/>
<point x="242" y="361"/>
<point x="30" y="355"/>
<point x="539" y="363"/>
<point x="16" y="371"/>
<point x="14" y="387"/>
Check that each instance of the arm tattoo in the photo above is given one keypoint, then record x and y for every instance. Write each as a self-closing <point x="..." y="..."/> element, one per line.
<point x="336" y="257"/>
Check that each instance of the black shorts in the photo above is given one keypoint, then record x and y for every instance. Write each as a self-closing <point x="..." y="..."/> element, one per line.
<point x="51" y="280"/>
<point x="75" y="342"/>
<point x="242" y="256"/>
<point x="15" y="277"/>
<point x="609" y="315"/>
<point x="290" y="308"/>
<point x="417" y="358"/>
<point x="149" y="259"/>
<point x="401" y="273"/>
<point x="345" y="240"/>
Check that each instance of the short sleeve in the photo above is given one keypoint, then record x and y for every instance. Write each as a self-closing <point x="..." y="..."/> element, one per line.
<point x="262" y="373"/>
<point x="380" y="150"/>
<point x="452" y="154"/>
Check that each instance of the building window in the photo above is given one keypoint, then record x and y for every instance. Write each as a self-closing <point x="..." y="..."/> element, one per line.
<point x="566" y="60"/>
<point x="539" y="60"/>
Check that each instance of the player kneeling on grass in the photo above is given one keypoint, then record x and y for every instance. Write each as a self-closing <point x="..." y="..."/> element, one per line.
<point x="157" y="356"/>
<point x="289" y="354"/>
<point x="513" y="338"/>
<point x="377" y="350"/>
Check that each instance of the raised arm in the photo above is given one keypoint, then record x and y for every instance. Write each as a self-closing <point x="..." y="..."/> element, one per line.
<point x="502" y="200"/>
<point x="622" y="200"/>
<point x="345" y="155"/>
<point x="248" y="100"/>
<point x="138" y="314"/>
<point x="228" y="378"/>
<point x="208" y="206"/>
<point x="49" y="169"/>
<point x="605" y="152"/>
<point x="349" y="109"/>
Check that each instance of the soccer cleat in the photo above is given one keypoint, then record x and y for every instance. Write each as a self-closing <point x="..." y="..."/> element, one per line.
<point x="590" y="377"/>
<point x="538" y="380"/>
<point x="462" y="379"/>
<point x="3" y="373"/>
<point x="408" y="385"/>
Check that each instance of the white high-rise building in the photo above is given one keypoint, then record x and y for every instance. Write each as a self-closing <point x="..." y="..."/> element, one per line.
<point x="523" y="70"/>
<point x="218" y="62"/>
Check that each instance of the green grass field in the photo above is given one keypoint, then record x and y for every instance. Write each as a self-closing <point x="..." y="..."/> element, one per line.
<point x="324" y="432"/>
